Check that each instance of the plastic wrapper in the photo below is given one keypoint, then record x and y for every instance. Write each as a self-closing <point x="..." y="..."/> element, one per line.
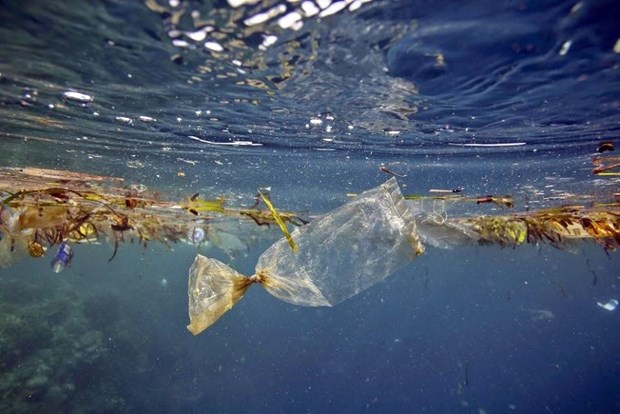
<point x="338" y="255"/>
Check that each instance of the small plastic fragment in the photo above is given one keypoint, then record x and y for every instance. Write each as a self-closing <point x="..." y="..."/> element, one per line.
<point x="611" y="305"/>
<point x="339" y="255"/>
<point x="63" y="257"/>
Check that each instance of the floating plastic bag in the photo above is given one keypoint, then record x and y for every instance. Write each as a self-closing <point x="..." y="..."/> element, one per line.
<point x="339" y="255"/>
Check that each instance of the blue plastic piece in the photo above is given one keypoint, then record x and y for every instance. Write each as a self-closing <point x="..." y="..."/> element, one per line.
<point x="63" y="257"/>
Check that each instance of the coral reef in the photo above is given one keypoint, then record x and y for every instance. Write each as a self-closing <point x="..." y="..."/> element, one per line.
<point x="48" y="346"/>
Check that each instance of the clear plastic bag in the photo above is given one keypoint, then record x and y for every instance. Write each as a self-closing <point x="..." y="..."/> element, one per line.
<point x="339" y="255"/>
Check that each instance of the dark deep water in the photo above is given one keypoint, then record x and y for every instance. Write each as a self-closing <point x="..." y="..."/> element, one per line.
<point x="494" y="97"/>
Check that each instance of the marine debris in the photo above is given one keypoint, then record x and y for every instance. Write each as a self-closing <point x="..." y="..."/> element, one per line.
<point x="337" y="256"/>
<point x="362" y="242"/>
<point x="42" y="208"/>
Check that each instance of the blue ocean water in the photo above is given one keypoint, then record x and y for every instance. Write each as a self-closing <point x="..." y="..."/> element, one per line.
<point x="193" y="96"/>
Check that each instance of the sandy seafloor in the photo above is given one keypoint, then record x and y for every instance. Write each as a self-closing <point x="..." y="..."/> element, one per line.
<point x="472" y="329"/>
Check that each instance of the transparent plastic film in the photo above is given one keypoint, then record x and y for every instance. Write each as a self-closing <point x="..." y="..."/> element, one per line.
<point x="213" y="289"/>
<point x="343" y="252"/>
<point x="339" y="255"/>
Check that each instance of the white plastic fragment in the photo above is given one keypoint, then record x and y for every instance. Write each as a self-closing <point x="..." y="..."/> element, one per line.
<point x="611" y="305"/>
<point x="565" y="48"/>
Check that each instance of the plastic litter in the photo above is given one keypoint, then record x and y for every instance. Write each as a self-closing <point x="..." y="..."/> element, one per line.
<point x="338" y="255"/>
<point x="63" y="257"/>
<point x="41" y="208"/>
<point x="611" y="305"/>
<point x="196" y="235"/>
